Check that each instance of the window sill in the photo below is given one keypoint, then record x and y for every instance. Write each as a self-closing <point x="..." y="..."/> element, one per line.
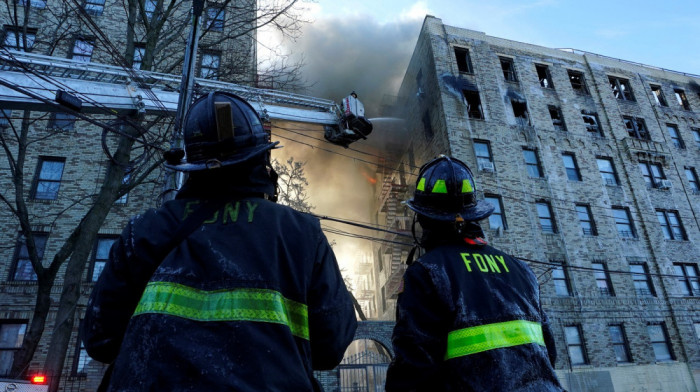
<point x="625" y="364"/>
<point x="668" y="362"/>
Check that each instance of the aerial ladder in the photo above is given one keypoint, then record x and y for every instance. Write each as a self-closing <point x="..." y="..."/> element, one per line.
<point x="34" y="82"/>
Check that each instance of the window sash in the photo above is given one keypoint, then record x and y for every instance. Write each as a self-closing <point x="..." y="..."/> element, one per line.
<point x="532" y="163"/>
<point x="571" y="167"/>
<point x="619" y="342"/>
<point x="82" y="50"/>
<point x="545" y="217"/>
<point x="659" y="342"/>
<point x="496" y="219"/>
<point x="607" y="171"/>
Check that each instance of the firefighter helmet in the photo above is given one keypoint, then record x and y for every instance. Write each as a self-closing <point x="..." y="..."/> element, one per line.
<point x="446" y="191"/>
<point x="221" y="129"/>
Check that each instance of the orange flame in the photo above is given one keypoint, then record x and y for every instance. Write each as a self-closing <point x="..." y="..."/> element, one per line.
<point x="369" y="179"/>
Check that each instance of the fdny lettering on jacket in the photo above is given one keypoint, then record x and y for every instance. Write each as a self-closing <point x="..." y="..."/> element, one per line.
<point x="484" y="262"/>
<point x="229" y="212"/>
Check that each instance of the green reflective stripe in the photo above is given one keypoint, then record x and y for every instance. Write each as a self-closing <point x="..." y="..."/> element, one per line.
<point x="474" y="340"/>
<point x="440" y="187"/>
<point x="421" y="185"/>
<point x="467" y="186"/>
<point x="225" y="305"/>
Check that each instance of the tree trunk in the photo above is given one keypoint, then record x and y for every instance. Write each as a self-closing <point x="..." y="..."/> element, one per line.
<point x="32" y="337"/>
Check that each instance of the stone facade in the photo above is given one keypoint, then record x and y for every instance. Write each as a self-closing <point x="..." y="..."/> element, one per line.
<point x="575" y="216"/>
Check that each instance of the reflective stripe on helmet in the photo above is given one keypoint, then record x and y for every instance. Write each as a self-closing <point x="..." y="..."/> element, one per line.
<point x="474" y="340"/>
<point x="242" y="304"/>
<point x="440" y="187"/>
<point x="467" y="186"/>
<point x="421" y="185"/>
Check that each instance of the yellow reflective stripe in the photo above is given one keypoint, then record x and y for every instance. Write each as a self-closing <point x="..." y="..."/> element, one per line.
<point x="440" y="187"/>
<point x="467" y="186"/>
<point x="240" y="304"/>
<point x="474" y="340"/>
<point x="421" y="185"/>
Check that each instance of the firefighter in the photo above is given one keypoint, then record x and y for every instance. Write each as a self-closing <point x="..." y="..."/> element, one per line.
<point x="468" y="316"/>
<point x="249" y="299"/>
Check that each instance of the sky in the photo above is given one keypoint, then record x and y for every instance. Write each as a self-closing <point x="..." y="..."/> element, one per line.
<point x="366" y="45"/>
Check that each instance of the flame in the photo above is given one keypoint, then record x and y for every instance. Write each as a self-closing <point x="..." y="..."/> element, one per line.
<point x="369" y="179"/>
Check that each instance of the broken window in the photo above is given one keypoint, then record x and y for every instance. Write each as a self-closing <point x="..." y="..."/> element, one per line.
<point x="682" y="99"/>
<point x="591" y="121"/>
<point x="621" y="88"/>
<point x="520" y="112"/>
<point x="578" y="82"/>
<point x="557" y="118"/>
<point x="636" y="128"/>
<point x="508" y="69"/>
<point x="544" y="76"/>
<point x="659" y="95"/>
<point x="464" y="62"/>
<point x="473" y="104"/>
<point x="427" y="125"/>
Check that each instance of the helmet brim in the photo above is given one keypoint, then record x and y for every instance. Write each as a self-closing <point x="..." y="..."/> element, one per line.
<point x="239" y="157"/>
<point x="481" y="210"/>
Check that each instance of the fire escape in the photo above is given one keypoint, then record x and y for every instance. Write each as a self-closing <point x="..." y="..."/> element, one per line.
<point x="394" y="191"/>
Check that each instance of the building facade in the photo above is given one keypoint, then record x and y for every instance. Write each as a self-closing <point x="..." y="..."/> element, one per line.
<point x="592" y="164"/>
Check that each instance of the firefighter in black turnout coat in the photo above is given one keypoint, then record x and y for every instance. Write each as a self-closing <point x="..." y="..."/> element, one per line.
<point x="468" y="316"/>
<point x="250" y="300"/>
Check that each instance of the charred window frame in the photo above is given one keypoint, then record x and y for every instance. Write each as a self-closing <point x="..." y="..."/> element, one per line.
<point x="659" y="95"/>
<point x="47" y="179"/>
<point x="620" y="344"/>
<point x="585" y="218"/>
<point x="575" y="345"/>
<point x="94" y="7"/>
<point x="671" y="225"/>
<point x="660" y="343"/>
<point x="498" y="218"/>
<point x="83" y="48"/>
<point x="464" y="61"/>
<point x="653" y="173"/>
<point x="14" y="38"/>
<point x="12" y="332"/>
<point x="623" y="222"/>
<point x="571" y="166"/>
<point x="557" y="118"/>
<point x="641" y="280"/>
<point x="688" y="281"/>
<point x="578" y="82"/>
<point x="607" y="171"/>
<point x="546" y="217"/>
<point x="508" y="68"/>
<point x="532" y="163"/>
<point x="681" y="99"/>
<point x="636" y="128"/>
<point x="590" y="119"/>
<point x="544" y="76"/>
<point x="675" y="136"/>
<point x="474" y="109"/>
<point x="520" y="112"/>
<point x="602" y="279"/>
<point x="692" y="176"/>
<point x="22" y="268"/>
<point x="621" y="88"/>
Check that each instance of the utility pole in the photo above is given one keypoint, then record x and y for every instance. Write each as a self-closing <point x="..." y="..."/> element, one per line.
<point x="173" y="179"/>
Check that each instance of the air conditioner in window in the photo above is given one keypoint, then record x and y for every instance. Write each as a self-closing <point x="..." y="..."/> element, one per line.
<point x="665" y="184"/>
<point x="486" y="166"/>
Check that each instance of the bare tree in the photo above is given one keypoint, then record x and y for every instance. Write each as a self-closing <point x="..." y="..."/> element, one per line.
<point x="292" y="185"/>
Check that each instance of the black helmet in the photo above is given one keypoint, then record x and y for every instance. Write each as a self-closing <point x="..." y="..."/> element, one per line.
<point x="221" y="129"/>
<point x="445" y="191"/>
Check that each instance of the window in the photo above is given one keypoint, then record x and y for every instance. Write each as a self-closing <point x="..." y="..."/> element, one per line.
<point x="427" y="125"/>
<point x="520" y="112"/>
<point x="641" y="280"/>
<point x="5" y="116"/>
<point x="671" y="225"/>
<point x="621" y="88"/>
<point x="675" y="136"/>
<point x="508" y="68"/>
<point x="572" y="172"/>
<point x="681" y="98"/>
<point x="659" y="95"/>
<point x="636" y="128"/>
<point x="602" y="279"/>
<point x="659" y="342"/>
<point x="532" y="162"/>
<point x="544" y="213"/>
<point x="687" y="275"/>
<point x="618" y="338"/>
<point x="482" y="149"/>
<point x="586" y="219"/>
<point x="557" y="118"/>
<point x="40" y="4"/>
<point x="574" y="344"/>
<point x="23" y="269"/>
<point x="623" y="222"/>
<point x="16" y="39"/>
<point x="473" y="104"/>
<point x="48" y="178"/>
<point x="11" y="337"/>
<point x="544" y="76"/>
<point x="81" y="358"/>
<point x="652" y="172"/>
<point x="592" y="123"/>
<point x="561" y="281"/>
<point x="209" y="67"/>
<point x="578" y="82"/>
<point x="498" y="218"/>
<point x="139" y="52"/>
<point x="100" y="255"/>
<point x="149" y="6"/>
<point x="696" y="136"/>
<point x="215" y="18"/>
<point x="692" y="177"/>
<point x="82" y="50"/>
<point x="94" y="7"/>
<point x="607" y="171"/>
<point x="125" y="181"/>
<point x="464" y="61"/>
<point x="61" y="121"/>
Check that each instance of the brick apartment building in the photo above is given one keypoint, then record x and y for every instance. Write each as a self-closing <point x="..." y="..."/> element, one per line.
<point x="65" y="164"/>
<point x="592" y="163"/>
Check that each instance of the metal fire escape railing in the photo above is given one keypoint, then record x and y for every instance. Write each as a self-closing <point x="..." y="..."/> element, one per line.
<point x="102" y="86"/>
